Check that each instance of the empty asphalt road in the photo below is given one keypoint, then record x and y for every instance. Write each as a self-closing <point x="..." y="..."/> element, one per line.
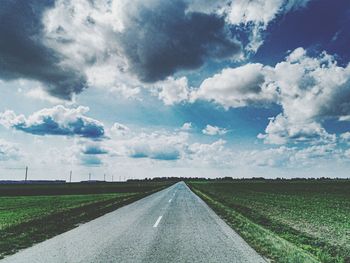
<point x="173" y="225"/>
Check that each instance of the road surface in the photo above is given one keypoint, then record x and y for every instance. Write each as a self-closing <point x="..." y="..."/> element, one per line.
<point x="173" y="225"/>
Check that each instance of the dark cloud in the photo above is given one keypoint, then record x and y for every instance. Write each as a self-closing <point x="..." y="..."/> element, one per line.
<point x="23" y="54"/>
<point x="163" y="37"/>
<point x="49" y="126"/>
<point x="91" y="160"/>
<point x="158" y="154"/>
<point x="94" y="150"/>
<point x="159" y="39"/>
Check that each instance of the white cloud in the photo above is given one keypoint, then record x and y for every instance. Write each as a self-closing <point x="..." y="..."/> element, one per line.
<point x="291" y="157"/>
<point x="213" y="130"/>
<point x="258" y="14"/>
<point x="310" y="90"/>
<point x="273" y="157"/>
<point x="316" y="153"/>
<point x="58" y="120"/>
<point x="345" y="137"/>
<point x="157" y="145"/>
<point x="119" y="129"/>
<point x="118" y="44"/>
<point x="344" y="118"/>
<point x="8" y="151"/>
<point x="112" y="42"/>
<point x="281" y="131"/>
<point x="186" y="126"/>
<point x="237" y="87"/>
<point x="172" y="91"/>
<point x="210" y="154"/>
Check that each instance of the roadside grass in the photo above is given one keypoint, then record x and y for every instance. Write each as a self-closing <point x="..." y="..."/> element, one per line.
<point x="312" y="217"/>
<point x="26" y="220"/>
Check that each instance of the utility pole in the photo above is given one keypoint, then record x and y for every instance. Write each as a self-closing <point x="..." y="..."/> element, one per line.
<point x="120" y="178"/>
<point x="112" y="177"/>
<point x="70" y="176"/>
<point x="26" y="176"/>
<point x="89" y="176"/>
<point x="104" y="177"/>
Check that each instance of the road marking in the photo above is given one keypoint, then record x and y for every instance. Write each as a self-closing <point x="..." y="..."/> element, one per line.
<point x="157" y="222"/>
<point x="170" y="200"/>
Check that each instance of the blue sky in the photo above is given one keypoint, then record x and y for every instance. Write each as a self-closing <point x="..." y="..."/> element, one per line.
<point x="174" y="88"/>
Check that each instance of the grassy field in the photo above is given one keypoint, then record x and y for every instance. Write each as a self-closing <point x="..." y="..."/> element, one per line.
<point x="287" y="221"/>
<point x="79" y="188"/>
<point x="29" y="215"/>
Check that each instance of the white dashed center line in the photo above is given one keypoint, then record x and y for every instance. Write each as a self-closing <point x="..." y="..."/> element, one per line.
<point x="157" y="222"/>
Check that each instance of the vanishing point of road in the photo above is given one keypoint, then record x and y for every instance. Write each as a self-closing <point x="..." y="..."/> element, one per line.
<point x="172" y="225"/>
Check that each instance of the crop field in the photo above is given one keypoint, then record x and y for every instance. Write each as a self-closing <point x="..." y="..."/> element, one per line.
<point x="21" y="209"/>
<point x="287" y="221"/>
<point x="28" y="214"/>
<point x="79" y="188"/>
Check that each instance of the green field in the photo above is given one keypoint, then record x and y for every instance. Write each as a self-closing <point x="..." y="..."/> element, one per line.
<point x="30" y="213"/>
<point x="21" y="209"/>
<point x="79" y="188"/>
<point x="287" y="221"/>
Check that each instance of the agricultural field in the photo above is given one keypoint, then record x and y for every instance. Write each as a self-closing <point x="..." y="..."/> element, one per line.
<point x="21" y="209"/>
<point x="80" y="188"/>
<point x="30" y="213"/>
<point x="286" y="221"/>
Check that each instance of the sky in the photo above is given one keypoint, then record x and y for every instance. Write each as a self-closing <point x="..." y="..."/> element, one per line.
<point x="135" y="89"/>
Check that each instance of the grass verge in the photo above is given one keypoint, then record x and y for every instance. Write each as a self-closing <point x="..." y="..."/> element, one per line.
<point x="264" y="241"/>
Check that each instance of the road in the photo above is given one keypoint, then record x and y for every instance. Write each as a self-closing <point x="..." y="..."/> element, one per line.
<point x="173" y="225"/>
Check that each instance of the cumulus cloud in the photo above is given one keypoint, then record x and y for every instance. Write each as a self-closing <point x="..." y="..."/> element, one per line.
<point x="260" y="12"/>
<point x="213" y="130"/>
<point x="119" y="129"/>
<point x="155" y="145"/>
<point x="67" y="44"/>
<point x="55" y="121"/>
<point x="186" y="126"/>
<point x="211" y="154"/>
<point x="255" y="16"/>
<point x="94" y="149"/>
<point x="281" y="131"/>
<point x="150" y="40"/>
<point x="81" y="152"/>
<point x="273" y="157"/>
<point x="172" y="91"/>
<point x="315" y="153"/>
<point x="309" y="90"/>
<point x="345" y="137"/>
<point x="119" y="45"/>
<point x="237" y="87"/>
<point x="8" y="151"/>
<point x="313" y="87"/>
<point x="167" y="146"/>
<point x="290" y="157"/>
